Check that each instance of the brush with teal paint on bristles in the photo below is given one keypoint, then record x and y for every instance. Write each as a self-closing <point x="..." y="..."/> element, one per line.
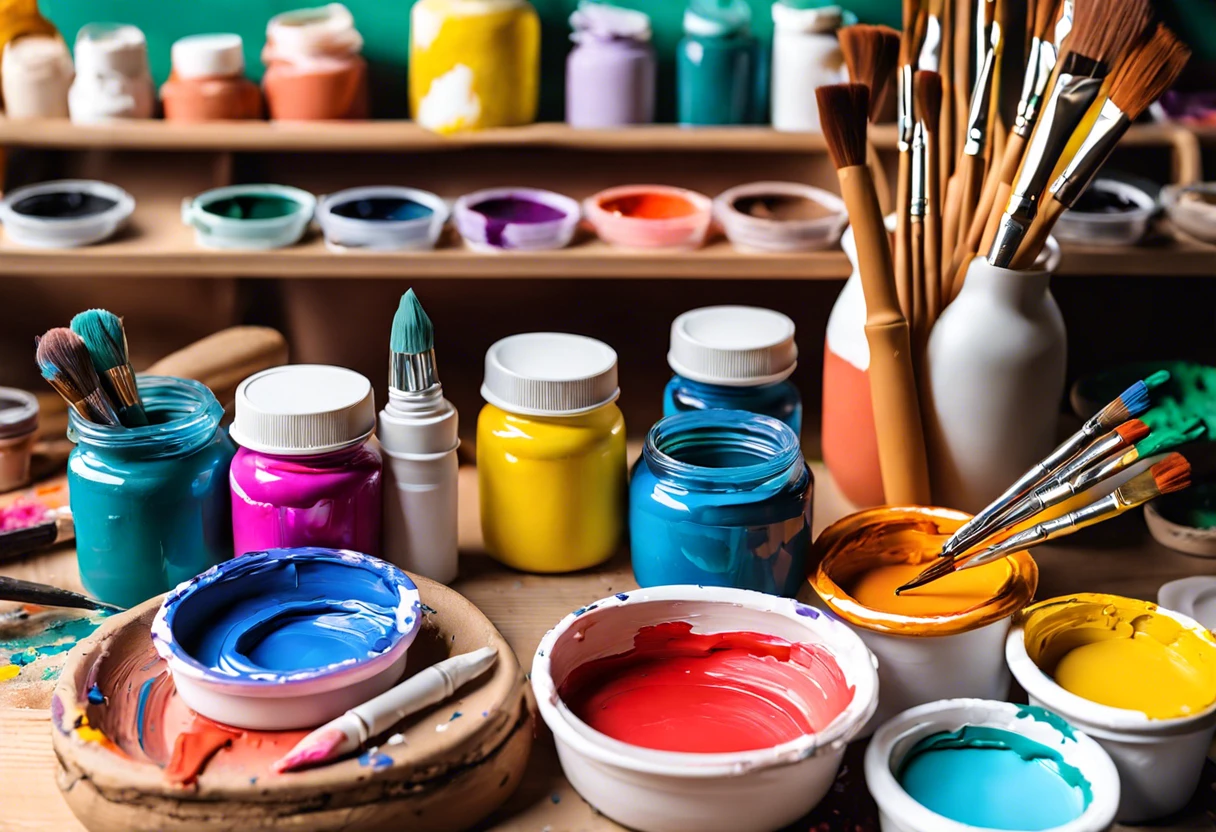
<point x="106" y="339"/>
<point x="65" y="364"/>
<point x="412" y="347"/>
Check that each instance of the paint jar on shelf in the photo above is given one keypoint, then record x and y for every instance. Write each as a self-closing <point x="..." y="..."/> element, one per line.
<point x="305" y="474"/>
<point x="610" y="73"/>
<point x="314" y="70"/>
<point x="18" y="432"/>
<point x="208" y="81"/>
<point x="721" y="498"/>
<point x="716" y="64"/>
<point x="151" y="504"/>
<point x="112" y="75"/>
<point x="551" y="453"/>
<point x="474" y="64"/>
<point x="37" y="73"/>
<point x="806" y="55"/>
<point x="734" y="358"/>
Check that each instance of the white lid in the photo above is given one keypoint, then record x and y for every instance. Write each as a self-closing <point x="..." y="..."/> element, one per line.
<point x="1194" y="597"/>
<point x="734" y="346"/>
<point x="550" y="374"/>
<point x="108" y="47"/>
<point x="606" y="21"/>
<point x="822" y="20"/>
<point x="321" y="31"/>
<point x="36" y="52"/>
<point x="303" y="409"/>
<point x="208" y="56"/>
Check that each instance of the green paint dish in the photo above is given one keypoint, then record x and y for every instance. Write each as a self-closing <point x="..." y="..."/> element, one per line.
<point x="249" y="217"/>
<point x="1189" y="394"/>
<point x="253" y="207"/>
<point x="1194" y="508"/>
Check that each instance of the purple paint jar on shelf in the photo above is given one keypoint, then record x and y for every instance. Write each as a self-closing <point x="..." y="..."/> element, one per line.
<point x="610" y="73"/>
<point x="305" y="474"/>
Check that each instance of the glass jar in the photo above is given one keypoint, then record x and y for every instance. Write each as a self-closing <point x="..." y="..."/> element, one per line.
<point x="716" y="64"/>
<point x="551" y="453"/>
<point x="782" y="400"/>
<point x="721" y="498"/>
<point x="314" y="69"/>
<point x="150" y="504"/>
<point x="610" y="73"/>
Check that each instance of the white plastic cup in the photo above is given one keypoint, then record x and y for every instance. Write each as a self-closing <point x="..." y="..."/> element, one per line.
<point x="898" y="811"/>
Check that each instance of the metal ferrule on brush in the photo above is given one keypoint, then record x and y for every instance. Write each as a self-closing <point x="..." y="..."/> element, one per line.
<point x="1093" y="513"/>
<point x="412" y="372"/>
<point x="931" y="48"/>
<point x="906" y="122"/>
<point x="72" y="396"/>
<point x="920" y="163"/>
<point x="981" y="101"/>
<point x="1039" y="66"/>
<point x="1109" y="127"/>
<point x="1064" y="24"/>
<point x="122" y="382"/>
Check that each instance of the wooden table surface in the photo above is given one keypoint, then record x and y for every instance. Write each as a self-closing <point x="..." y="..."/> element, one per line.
<point x="1119" y="557"/>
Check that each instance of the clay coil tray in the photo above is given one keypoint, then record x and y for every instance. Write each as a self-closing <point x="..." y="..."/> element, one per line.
<point x="452" y="764"/>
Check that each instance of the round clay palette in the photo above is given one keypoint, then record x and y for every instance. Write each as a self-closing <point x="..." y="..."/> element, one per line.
<point x="132" y="755"/>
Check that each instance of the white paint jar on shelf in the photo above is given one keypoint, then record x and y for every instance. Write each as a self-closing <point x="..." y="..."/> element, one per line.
<point x="806" y="55"/>
<point x="112" y="75"/>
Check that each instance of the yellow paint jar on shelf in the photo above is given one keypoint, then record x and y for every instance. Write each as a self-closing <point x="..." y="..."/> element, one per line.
<point x="474" y="64"/>
<point x="551" y="453"/>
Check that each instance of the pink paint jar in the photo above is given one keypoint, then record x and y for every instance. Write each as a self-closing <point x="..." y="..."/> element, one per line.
<point x="305" y="474"/>
<point x="313" y="67"/>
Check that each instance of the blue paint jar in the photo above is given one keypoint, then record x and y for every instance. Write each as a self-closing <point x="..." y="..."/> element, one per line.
<point x="716" y="64"/>
<point x="151" y="504"/>
<point x="734" y="358"/>
<point x="721" y="498"/>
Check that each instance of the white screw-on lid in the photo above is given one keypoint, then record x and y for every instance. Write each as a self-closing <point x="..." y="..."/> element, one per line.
<point x="303" y="409"/>
<point x="734" y="346"/>
<point x="550" y="374"/>
<point x="208" y="56"/>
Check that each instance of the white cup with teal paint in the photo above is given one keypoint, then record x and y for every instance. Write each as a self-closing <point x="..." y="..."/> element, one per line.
<point x="249" y="217"/>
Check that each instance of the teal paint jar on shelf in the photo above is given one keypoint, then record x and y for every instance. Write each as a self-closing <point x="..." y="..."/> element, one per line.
<point x="717" y="64"/>
<point x="151" y="504"/>
<point x="721" y="498"/>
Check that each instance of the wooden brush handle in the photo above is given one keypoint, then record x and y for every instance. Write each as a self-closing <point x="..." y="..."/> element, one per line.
<point x="1036" y="235"/>
<point x="933" y="241"/>
<point x="881" y="183"/>
<point x="920" y="302"/>
<point x="950" y="210"/>
<point x="873" y="249"/>
<point x="971" y="182"/>
<point x="224" y="359"/>
<point x="994" y="218"/>
<point x="903" y="242"/>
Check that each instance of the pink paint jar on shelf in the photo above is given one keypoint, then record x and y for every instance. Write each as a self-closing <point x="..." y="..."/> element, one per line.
<point x="208" y="82"/>
<point x="305" y="474"/>
<point x="313" y="67"/>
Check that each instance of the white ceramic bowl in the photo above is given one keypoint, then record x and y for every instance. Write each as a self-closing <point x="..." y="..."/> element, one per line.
<point x="344" y="233"/>
<point x="1159" y="760"/>
<point x="1119" y="229"/>
<point x="219" y="232"/>
<point x="65" y="232"/>
<point x="900" y="812"/>
<point x="749" y="233"/>
<point x="663" y="791"/>
<point x="1197" y="224"/>
<point x="530" y="236"/>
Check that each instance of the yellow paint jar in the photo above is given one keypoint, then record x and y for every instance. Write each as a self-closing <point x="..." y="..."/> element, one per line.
<point x="474" y="64"/>
<point x="551" y="453"/>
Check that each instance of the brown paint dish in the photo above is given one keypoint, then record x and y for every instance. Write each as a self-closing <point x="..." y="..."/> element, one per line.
<point x="780" y="217"/>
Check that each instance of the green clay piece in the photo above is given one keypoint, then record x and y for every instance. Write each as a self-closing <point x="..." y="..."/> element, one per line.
<point x="1167" y="439"/>
<point x="1157" y="379"/>
<point x="413" y="333"/>
<point x="1184" y="392"/>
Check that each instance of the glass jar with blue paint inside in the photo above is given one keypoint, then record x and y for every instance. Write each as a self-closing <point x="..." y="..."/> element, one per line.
<point x="151" y="504"/>
<point x="734" y="358"/>
<point x="721" y="498"/>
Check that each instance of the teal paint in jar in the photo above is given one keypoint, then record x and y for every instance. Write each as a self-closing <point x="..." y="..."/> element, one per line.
<point x="151" y="504"/>
<point x="717" y="65"/>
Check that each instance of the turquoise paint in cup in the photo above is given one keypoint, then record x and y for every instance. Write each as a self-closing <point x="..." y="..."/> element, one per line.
<point x="717" y="65"/>
<point x="151" y="504"/>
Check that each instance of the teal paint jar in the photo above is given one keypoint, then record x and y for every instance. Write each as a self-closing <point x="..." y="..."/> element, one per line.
<point x="151" y="504"/>
<point x="717" y="65"/>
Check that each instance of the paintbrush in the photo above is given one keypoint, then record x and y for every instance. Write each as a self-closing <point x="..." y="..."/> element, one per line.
<point x="918" y="205"/>
<point x="106" y="339"/>
<point x="901" y="441"/>
<point x="871" y="54"/>
<point x="55" y="527"/>
<point x="28" y="592"/>
<point x="64" y="361"/>
<point x="929" y="97"/>
<point x="1131" y="403"/>
<point x="909" y="48"/>
<point x="974" y="160"/>
<point x="349" y="732"/>
<point x="1102" y="31"/>
<point x="1148" y="70"/>
<point x="1170" y="475"/>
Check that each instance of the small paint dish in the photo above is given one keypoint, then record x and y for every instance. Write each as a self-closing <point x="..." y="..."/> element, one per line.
<point x="650" y="216"/>
<point x="970" y="765"/>
<point x="1192" y="209"/>
<point x="287" y="638"/>
<point x="780" y="216"/>
<point x="1194" y="597"/>
<point x="730" y="709"/>
<point x="18" y="431"/>
<point x="66" y="213"/>
<point x="1185" y="521"/>
<point x="1139" y="679"/>
<point x="382" y="218"/>
<point x="516" y="219"/>
<point x="941" y="641"/>
<point x="1113" y="211"/>
<point x="249" y="217"/>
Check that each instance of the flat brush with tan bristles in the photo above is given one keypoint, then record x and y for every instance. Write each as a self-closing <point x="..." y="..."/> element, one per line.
<point x="871" y="54"/>
<point x="1147" y="71"/>
<point x="64" y="362"/>
<point x="844" y="110"/>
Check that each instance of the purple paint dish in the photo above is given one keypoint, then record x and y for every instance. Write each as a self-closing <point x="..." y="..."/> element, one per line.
<point x="519" y="219"/>
<point x="287" y="638"/>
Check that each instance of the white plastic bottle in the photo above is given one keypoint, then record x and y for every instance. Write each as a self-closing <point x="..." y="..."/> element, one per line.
<point x="806" y="55"/>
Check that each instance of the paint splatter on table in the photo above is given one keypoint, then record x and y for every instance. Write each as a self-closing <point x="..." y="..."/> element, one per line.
<point x="34" y="643"/>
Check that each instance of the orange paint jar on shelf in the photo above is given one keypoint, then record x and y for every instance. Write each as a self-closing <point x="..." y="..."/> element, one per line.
<point x="313" y="67"/>
<point x="208" y="81"/>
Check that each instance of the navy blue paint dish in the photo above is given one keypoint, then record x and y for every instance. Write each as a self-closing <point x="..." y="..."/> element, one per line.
<point x="382" y="209"/>
<point x="721" y="498"/>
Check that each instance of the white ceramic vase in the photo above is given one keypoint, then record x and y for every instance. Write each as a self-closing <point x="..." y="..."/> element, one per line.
<point x="995" y="372"/>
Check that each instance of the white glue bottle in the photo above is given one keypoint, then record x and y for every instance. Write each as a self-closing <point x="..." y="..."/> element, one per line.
<point x="418" y="434"/>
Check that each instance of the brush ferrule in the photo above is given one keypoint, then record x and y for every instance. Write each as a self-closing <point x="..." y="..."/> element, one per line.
<point x="122" y="383"/>
<point x="1096" y="451"/>
<point x="931" y="49"/>
<point x="1039" y="67"/>
<point x="72" y="396"/>
<point x="1064" y="24"/>
<point x="920" y="163"/>
<point x="1070" y="99"/>
<point x="906" y="121"/>
<point x="1009" y="236"/>
<point x="1095" y="512"/>
<point x="1050" y="495"/>
<point x="981" y="102"/>
<point x="1107" y="129"/>
<point x="412" y="372"/>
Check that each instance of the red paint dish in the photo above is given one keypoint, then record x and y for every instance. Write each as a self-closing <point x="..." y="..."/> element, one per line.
<point x="650" y="216"/>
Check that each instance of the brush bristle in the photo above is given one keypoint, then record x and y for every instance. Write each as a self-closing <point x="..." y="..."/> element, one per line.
<point x="843" y="110"/>
<point x="413" y="333"/>
<point x="871" y="54"/>
<point x="1131" y="402"/>
<point x="1046" y="13"/>
<point x="1149" y="69"/>
<point x="1171" y="474"/>
<point x="928" y="92"/>
<point x="1132" y="431"/>
<point x="1157" y="379"/>
<point x="1104" y="29"/>
<point x="62" y="353"/>
<point x="317" y="747"/>
<point x="1163" y="439"/>
<point x="103" y="336"/>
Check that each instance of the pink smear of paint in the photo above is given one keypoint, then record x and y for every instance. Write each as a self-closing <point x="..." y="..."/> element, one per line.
<point x="22" y="514"/>
<point x="317" y="747"/>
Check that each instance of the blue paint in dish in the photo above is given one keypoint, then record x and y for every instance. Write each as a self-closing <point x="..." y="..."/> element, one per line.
<point x="382" y="209"/>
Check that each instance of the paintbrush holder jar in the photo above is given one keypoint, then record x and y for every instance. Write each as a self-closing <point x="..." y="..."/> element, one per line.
<point x="610" y="73"/>
<point x="37" y="74"/>
<point x="721" y="498"/>
<point x="994" y="383"/>
<point x="551" y="453"/>
<point x="151" y="504"/>
<point x="314" y="70"/>
<point x="474" y="64"/>
<point x="208" y="81"/>
<point x="716" y="64"/>
<point x="112" y="75"/>
<point x="305" y="474"/>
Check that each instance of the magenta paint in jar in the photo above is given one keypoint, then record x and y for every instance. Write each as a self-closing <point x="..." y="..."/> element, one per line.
<point x="610" y="73"/>
<point x="305" y="474"/>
